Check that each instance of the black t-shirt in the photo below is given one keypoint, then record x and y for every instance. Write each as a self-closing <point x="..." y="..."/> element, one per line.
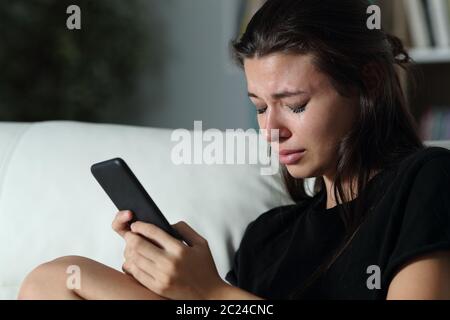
<point x="409" y="216"/>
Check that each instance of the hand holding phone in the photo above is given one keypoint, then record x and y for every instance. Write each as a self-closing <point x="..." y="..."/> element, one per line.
<point x="127" y="193"/>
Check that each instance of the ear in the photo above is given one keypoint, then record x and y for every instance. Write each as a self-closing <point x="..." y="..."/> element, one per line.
<point x="371" y="74"/>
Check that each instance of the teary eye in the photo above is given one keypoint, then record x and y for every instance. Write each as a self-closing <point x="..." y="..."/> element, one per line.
<point x="261" y="110"/>
<point x="299" y="109"/>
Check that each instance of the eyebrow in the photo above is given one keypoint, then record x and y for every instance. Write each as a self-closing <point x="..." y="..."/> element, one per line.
<point x="281" y="95"/>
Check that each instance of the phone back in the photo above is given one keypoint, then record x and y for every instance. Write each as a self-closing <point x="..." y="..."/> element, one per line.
<point x="127" y="193"/>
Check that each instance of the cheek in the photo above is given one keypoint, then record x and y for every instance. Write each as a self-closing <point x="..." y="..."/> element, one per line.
<point x="314" y="129"/>
<point x="328" y="123"/>
<point x="319" y="133"/>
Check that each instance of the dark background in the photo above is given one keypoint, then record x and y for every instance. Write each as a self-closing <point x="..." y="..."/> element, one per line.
<point x="141" y="62"/>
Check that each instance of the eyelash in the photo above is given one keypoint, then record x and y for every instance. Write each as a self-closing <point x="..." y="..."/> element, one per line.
<point x="298" y="109"/>
<point x="294" y="109"/>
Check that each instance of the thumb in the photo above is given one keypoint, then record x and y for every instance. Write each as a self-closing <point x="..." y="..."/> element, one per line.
<point x="188" y="233"/>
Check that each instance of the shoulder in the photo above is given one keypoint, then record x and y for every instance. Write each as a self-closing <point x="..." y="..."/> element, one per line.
<point x="423" y="180"/>
<point x="283" y="212"/>
<point x="427" y="158"/>
<point x="435" y="166"/>
<point x="274" y="221"/>
<point x="419" y="217"/>
<point x="269" y="217"/>
<point x="421" y="167"/>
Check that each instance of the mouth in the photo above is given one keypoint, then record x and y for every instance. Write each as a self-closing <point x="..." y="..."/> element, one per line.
<point x="289" y="157"/>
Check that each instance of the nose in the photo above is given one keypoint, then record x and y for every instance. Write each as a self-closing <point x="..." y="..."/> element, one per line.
<point x="276" y="130"/>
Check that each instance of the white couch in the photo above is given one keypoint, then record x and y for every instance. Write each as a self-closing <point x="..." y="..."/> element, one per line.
<point x="51" y="206"/>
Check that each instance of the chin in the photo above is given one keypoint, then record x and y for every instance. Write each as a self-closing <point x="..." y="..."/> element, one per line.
<point x="297" y="171"/>
<point x="303" y="171"/>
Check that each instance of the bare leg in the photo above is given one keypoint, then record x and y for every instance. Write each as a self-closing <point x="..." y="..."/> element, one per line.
<point x="98" y="281"/>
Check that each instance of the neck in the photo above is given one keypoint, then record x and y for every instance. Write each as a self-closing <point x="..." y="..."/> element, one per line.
<point x="329" y="185"/>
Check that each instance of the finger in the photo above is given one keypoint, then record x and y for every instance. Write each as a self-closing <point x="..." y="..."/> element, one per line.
<point x="120" y="222"/>
<point x="156" y="234"/>
<point x="134" y="244"/>
<point x="189" y="234"/>
<point x="158" y="271"/>
<point x="128" y="252"/>
<point x="138" y="245"/>
<point x="149" y="268"/>
<point x="125" y="270"/>
<point x="145" y="264"/>
<point x="141" y="276"/>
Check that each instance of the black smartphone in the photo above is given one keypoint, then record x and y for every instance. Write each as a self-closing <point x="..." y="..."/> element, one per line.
<point x="127" y="193"/>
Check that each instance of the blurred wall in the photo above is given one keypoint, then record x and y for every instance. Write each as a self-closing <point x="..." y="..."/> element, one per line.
<point x="177" y="51"/>
<point x="199" y="82"/>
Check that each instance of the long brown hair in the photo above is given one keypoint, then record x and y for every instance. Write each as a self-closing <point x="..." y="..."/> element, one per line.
<point x="343" y="47"/>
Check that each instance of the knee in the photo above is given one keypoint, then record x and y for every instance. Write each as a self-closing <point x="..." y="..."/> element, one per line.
<point x="32" y="286"/>
<point x="42" y="277"/>
<point x="69" y="260"/>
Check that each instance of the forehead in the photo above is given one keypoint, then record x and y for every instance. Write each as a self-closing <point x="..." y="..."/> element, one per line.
<point x="279" y="71"/>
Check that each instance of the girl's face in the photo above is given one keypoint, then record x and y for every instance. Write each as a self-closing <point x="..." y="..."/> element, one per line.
<point x="291" y="95"/>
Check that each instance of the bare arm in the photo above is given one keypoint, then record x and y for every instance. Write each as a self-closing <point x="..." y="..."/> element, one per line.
<point x="427" y="277"/>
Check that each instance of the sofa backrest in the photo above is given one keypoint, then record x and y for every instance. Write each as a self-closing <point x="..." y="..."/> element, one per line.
<point x="52" y="206"/>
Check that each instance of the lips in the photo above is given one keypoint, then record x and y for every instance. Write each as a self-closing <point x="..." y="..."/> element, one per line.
<point x="289" y="157"/>
<point x="286" y="152"/>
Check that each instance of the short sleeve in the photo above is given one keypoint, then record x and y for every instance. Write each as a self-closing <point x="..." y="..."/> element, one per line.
<point x="425" y="222"/>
